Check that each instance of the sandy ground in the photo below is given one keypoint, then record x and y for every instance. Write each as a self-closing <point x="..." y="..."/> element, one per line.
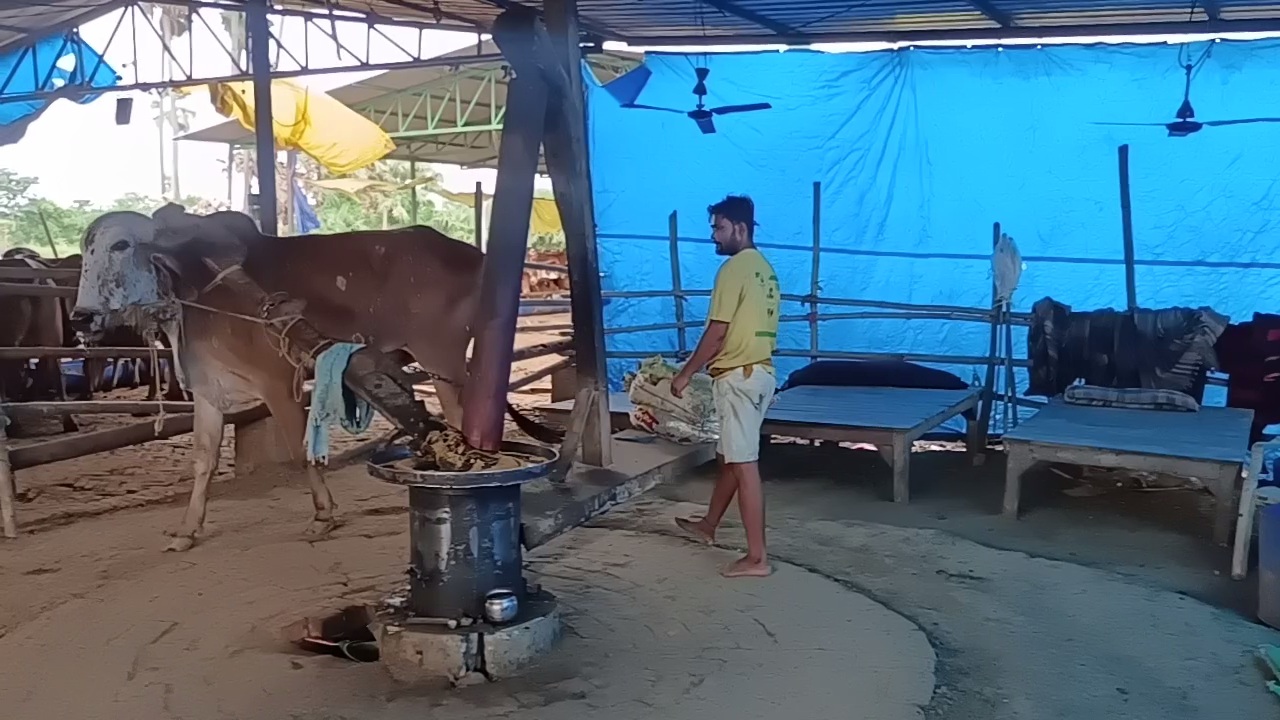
<point x="161" y="471"/>
<point x="109" y="629"/>
<point x="1114" y="605"/>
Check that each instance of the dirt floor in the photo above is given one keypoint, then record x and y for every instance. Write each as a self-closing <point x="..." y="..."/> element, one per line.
<point x="1110" y="603"/>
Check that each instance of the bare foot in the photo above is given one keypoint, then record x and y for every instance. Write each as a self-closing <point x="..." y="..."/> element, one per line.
<point x="746" y="567"/>
<point x="698" y="528"/>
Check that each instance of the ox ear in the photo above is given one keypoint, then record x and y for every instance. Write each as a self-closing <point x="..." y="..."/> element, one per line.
<point x="168" y="274"/>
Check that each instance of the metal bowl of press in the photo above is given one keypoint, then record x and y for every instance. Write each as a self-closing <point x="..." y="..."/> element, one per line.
<point x="501" y="606"/>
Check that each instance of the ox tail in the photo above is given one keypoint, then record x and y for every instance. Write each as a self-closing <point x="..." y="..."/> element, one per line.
<point x="533" y="428"/>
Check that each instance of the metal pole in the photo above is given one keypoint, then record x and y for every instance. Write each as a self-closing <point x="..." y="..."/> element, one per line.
<point x="1126" y="220"/>
<point x="258" y="32"/>
<point x="813" y="277"/>
<point x="413" y="192"/>
<point x="479" y="216"/>
<point x="673" y="229"/>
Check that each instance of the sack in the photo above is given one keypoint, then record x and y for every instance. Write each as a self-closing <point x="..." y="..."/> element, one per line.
<point x="687" y="420"/>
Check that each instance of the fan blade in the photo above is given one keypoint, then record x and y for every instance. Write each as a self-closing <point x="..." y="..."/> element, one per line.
<point x="706" y="124"/>
<point x="1155" y="124"/>
<point x="1242" y="121"/>
<point x="636" y="106"/>
<point x="726" y="109"/>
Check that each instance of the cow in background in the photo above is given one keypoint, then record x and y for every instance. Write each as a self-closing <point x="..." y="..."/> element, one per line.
<point x="32" y="322"/>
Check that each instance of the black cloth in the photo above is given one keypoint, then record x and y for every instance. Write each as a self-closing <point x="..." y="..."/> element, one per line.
<point x="1249" y="352"/>
<point x="1167" y="349"/>
<point x="874" y="373"/>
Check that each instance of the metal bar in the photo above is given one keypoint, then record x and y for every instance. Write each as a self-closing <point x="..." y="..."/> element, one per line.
<point x="1020" y="32"/>
<point x="993" y="13"/>
<point x="673" y="227"/>
<point x="1126" y="225"/>
<point x="258" y="32"/>
<point x="479" y="215"/>
<point x="1212" y="9"/>
<point x="484" y="398"/>
<point x="814" y="287"/>
<point x="435" y="132"/>
<point x="567" y="160"/>
<point x="987" y="401"/>
<point x="413" y="193"/>
<point x="835" y="355"/>
<point x="729" y="7"/>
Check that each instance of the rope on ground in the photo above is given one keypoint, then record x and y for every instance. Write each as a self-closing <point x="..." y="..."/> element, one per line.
<point x="329" y="402"/>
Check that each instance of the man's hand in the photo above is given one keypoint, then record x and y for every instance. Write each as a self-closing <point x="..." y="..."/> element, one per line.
<point x="679" y="383"/>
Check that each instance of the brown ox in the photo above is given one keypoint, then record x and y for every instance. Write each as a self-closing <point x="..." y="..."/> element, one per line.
<point x="412" y="289"/>
<point x="32" y="322"/>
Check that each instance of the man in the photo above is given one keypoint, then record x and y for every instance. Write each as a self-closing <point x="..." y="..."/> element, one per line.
<point x="737" y="346"/>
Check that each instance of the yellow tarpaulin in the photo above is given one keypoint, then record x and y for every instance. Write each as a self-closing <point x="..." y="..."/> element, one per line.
<point x="310" y="121"/>
<point x="544" y="220"/>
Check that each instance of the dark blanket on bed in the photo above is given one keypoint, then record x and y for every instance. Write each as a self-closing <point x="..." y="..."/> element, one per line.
<point x="875" y="373"/>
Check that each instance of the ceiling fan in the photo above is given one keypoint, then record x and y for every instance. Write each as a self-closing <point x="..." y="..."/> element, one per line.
<point x="1185" y="122"/>
<point x="703" y="115"/>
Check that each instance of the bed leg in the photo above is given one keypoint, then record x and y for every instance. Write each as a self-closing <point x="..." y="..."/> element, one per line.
<point x="901" y="469"/>
<point x="975" y="441"/>
<point x="1226" y="505"/>
<point x="1020" y="460"/>
<point x="1244" y="518"/>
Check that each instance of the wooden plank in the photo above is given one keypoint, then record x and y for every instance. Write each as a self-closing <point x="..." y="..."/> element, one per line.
<point x="17" y="273"/>
<point x="94" y="407"/>
<point x="8" y="502"/>
<point x="1213" y="434"/>
<point x="17" y="289"/>
<point x="27" y="353"/>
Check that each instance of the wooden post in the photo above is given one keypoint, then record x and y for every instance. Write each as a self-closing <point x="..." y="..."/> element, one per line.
<point x="8" y="519"/>
<point x="1126" y="223"/>
<point x="567" y="162"/>
<point x="479" y="217"/>
<point x="813" y="276"/>
<point x="677" y="287"/>
<point x="258" y="32"/>
<point x="485" y="397"/>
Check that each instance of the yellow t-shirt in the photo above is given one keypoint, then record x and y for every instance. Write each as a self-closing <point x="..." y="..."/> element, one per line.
<point x="746" y="296"/>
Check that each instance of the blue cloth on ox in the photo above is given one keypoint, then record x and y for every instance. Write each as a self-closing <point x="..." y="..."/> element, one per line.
<point x="331" y="401"/>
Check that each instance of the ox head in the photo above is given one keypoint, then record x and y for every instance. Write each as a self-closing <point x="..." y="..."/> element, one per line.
<point x="135" y="268"/>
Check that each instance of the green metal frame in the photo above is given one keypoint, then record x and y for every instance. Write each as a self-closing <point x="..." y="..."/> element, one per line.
<point x="475" y="109"/>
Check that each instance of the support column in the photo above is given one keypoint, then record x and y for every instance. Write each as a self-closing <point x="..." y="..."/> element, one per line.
<point x="485" y="396"/>
<point x="258" y="32"/>
<point x="568" y="164"/>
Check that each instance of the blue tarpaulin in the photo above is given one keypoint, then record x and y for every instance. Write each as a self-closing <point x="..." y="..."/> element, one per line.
<point x="62" y="61"/>
<point x="918" y="152"/>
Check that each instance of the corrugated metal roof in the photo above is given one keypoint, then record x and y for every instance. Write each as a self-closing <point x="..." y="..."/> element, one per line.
<point x="794" y="21"/>
<point x="25" y="21"/>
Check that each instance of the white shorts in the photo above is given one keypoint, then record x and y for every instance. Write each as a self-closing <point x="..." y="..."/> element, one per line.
<point x="741" y="403"/>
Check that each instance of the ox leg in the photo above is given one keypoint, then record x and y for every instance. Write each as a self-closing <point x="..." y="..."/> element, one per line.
<point x="446" y="357"/>
<point x="174" y="392"/>
<point x="292" y="418"/>
<point x="208" y="428"/>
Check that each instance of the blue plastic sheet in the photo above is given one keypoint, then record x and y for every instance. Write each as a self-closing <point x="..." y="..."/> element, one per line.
<point x="48" y="65"/>
<point x="918" y="152"/>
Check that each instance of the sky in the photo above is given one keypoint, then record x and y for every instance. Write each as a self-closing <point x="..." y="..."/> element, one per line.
<point x="77" y="152"/>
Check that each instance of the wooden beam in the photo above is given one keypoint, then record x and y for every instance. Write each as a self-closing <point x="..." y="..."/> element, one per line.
<point x="18" y="289"/>
<point x="729" y="7"/>
<point x="17" y="273"/>
<point x="566" y="154"/>
<point x="23" y="410"/>
<point x="1126" y="229"/>
<point x="993" y="13"/>
<point x="484" y="399"/>
<point x="8" y="517"/>
<point x="29" y="353"/>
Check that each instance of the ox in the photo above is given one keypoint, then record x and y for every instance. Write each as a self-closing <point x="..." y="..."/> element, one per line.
<point x="32" y="322"/>
<point x="412" y="290"/>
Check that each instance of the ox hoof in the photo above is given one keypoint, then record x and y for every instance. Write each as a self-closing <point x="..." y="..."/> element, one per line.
<point x="321" y="528"/>
<point x="182" y="543"/>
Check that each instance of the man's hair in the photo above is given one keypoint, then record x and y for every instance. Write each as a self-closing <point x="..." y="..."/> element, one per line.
<point x="736" y="209"/>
